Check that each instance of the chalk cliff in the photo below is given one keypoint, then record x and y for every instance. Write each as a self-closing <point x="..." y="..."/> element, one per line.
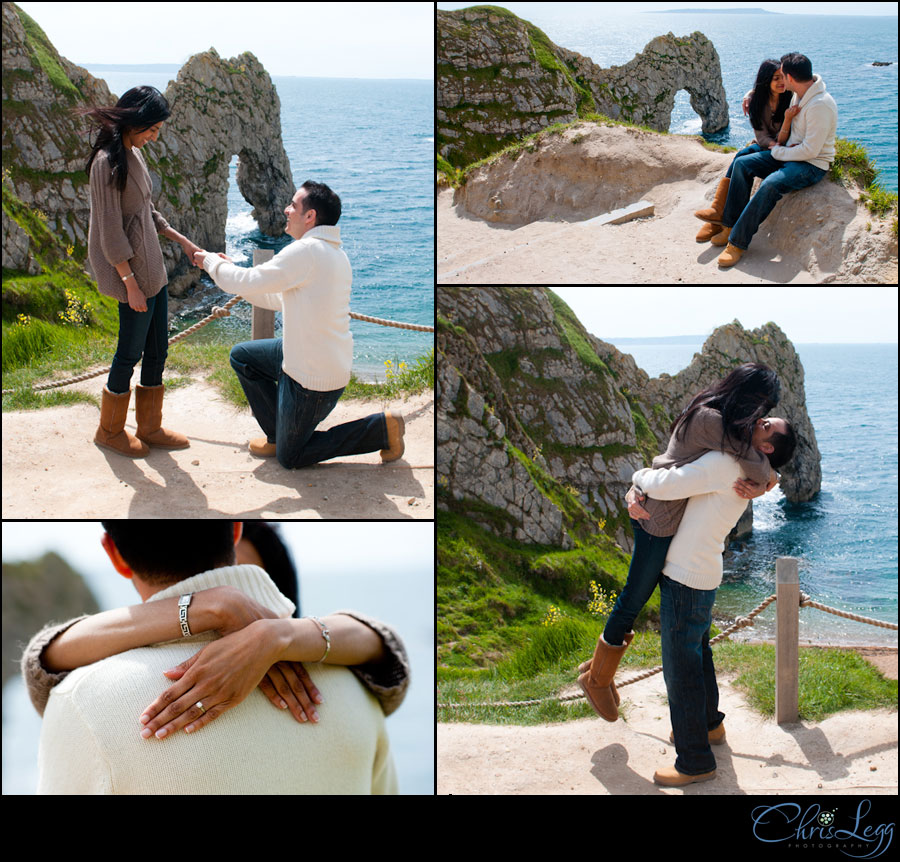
<point x="220" y="108"/>
<point x="500" y="77"/>
<point x="541" y="425"/>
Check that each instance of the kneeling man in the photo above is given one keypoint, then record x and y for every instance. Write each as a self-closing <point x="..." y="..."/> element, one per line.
<point x="294" y="382"/>
<point x="687" y="587"/>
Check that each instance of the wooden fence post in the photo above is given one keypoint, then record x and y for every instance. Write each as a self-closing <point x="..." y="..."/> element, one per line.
<point x="263" y="324"/>
<point x="787" y="640"/>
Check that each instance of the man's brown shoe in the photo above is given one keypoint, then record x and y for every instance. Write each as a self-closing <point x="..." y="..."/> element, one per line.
<point x="716" y="737"/>
<point x="262" y="447"/>
<point x="395" y="430"/>
<point x="669" y="776"/>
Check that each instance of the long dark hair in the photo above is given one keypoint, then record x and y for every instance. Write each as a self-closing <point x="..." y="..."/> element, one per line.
<point x="744" y="396"/>
<point x="138" y="110"/>
<point x="762" y="91"/>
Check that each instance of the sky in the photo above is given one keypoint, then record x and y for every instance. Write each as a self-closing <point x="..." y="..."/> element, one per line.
<point x="577" y="10"/>
<point x="318" y="40"/>
<point x="822" y="314"/>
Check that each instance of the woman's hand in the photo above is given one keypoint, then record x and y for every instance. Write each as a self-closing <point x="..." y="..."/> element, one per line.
<point x="190" y="249"/>
<point x="790" y="113"/>
<point x="635" y="509"/>
<point x="136" y="300"/>
<point x="222" y="674"/>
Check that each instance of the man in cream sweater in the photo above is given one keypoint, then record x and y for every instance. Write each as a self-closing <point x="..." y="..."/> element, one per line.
<point x="294" y="382"/>
<point x="91" y="739"/>
<point x="803" y="162"/>
<point x="691" y="575"/>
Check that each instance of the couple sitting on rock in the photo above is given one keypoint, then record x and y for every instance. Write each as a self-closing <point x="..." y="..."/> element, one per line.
<point x="292" y="383"/>
<point x="806" y="122"/>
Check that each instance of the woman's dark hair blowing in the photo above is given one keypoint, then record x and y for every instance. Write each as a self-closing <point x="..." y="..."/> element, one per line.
<point x="173" y="550"/>
<point x="762" y="91"/>
<point x="138" y="110"/>
<point x="744" y="396"/>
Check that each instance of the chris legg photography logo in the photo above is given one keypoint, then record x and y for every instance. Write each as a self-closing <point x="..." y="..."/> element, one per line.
<point x="847" y="828"/>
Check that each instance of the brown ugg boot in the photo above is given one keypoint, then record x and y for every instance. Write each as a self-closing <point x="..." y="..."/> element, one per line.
<point x="111" y="433"/>
<point x="721" y="238"/>
<point x="708" y="231"/>
<point x="586" y="666"/>
<point x="148" y="407"/>
<point x="395" y="431"/>
<point x="714" y="212"/>
<point x="596" y="683"/>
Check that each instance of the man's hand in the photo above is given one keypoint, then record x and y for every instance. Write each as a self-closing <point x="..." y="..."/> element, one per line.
<point x="635" y="509"/>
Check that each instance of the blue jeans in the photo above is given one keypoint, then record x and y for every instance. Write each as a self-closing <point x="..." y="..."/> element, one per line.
<point x="685" y="617"/>
<point x="748" y="150"/>
<point x="289" y="413"/>
<point x="647" y="560"/>
<point x="141" y="333"/>
<point x="743" y="215"/>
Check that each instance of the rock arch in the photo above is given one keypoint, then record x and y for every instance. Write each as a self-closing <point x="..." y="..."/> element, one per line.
<point x="643" y="90"/>
<point x="220" y="108"/>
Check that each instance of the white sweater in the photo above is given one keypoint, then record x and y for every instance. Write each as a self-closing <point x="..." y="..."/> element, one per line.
<point x="695" y="555"/>
<point x="812" y="130"/>
<point x="309" y="281"/>
<point x="91" y="743"/>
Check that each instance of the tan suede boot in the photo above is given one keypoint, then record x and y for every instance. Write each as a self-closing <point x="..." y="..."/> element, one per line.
<point x="596" y="683"/>
<point x="111" y="433"/>
<point x="707" y="232"/>
<point x="395" y="431"/>
<point x="586" y="666"/>
<point x="148" y="408"/>
<point x="714" y="212"/>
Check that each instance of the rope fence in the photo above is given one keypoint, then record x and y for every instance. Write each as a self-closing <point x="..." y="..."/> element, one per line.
<point x="787" y="657"/>
<point x="263" y="327"/>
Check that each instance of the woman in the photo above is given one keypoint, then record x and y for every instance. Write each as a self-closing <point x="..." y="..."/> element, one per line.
<point x="128" y="264"/>
<point x="770" y="117"/>
<point x="721" y="417"/>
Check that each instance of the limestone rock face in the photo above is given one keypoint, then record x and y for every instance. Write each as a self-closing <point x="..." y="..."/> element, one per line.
<point x="500" y="78"/>
<point x="220" y="108"/>
<point x="541" y="425"/>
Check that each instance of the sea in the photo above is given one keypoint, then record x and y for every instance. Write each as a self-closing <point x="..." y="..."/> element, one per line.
<point x="372" y="141"/>
<point x="846" y="537"/>
<point x="842" y="49"/>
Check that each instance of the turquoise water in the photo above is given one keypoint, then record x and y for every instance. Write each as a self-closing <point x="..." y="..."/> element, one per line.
<point x="846" y="538"/>
<point x="372" y="141"/>
<point x="841" y="48"/>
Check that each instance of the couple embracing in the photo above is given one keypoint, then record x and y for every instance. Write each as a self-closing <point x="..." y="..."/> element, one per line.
<point x="292" y="383"/>
<point x="794" y="120"/>
<point x="723" y="451"/>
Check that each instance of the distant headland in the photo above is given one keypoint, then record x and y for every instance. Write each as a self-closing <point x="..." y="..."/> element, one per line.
<point x="718" y="11"/>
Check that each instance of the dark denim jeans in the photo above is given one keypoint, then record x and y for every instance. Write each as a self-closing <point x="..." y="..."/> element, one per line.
<point x="289" y="414"/>
<point x="647" y="560"/>
<point x="685" y="617"/>
<point x="743" y="214"/>
<point x="141" y="333"/>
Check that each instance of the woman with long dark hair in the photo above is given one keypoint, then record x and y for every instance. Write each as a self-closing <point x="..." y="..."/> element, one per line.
<point x="770" y="118"/>
<point x="723" y="417"/>
<point x="128" y="265"/>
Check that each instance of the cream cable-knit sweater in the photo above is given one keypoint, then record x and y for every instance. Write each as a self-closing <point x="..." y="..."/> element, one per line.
<point x="91" y="743"/>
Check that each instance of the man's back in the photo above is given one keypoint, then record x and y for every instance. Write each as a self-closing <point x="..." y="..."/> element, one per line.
<point x="91" y="743"/>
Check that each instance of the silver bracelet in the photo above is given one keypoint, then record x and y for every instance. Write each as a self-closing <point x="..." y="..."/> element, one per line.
<point x="126" y="277"/>
<point x="325" y="634"/>
<point x="183" y="603"/>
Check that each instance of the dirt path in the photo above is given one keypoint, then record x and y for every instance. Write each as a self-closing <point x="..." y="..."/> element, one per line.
<point x="851" y="752"/>
<point x="52" y="469"/>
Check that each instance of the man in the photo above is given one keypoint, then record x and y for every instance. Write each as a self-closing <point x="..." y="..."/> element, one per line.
<point x="803" y="162"/>
<point x="91" y="739"/>
<point x="691" y="575"/>
<point x="293" y="383"/>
